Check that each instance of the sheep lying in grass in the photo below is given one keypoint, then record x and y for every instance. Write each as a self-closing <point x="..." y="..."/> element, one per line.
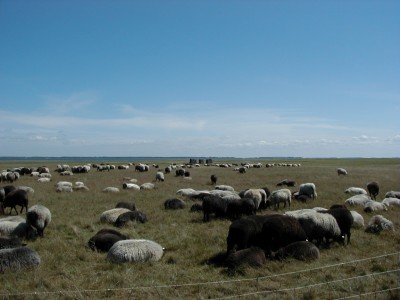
<point x="253" y="257"/>
<point x="379" y="223"/>
<point x="147" y="186"/>
<point x="110" y="216"/>
<point x="130" y="186"/>
<point x="356" y="191"/>
<point x="358" y="219"/>
<point x="18" y="228"/>
<point x="111" y="189"/>
<point x="38" y="216"/>
<point x="358" y="200"/>
<point x="301" y="250"/>
<point x="224" y="188"/>
<point x="135" y="251"/>
<point x="104" y="239"/>
<point x="341" y="171"/>
<point x="371" y="206"/>
<point x="10" y="242"/>
<point x="126" y="217"/>
<point x="18" y="258"/>
<point x="391" y="202"/>
<point x="392" y="194"/>
<point x="42" y="180"/>
<point x="127" y="205"/>
<point x="174" y="204"/>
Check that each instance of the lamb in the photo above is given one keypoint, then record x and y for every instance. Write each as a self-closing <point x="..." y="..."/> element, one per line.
<point x="135" y="251"/>
<point x="18" y="258"/>
<point x="10" y="242"/>
<point x="341" y="171"/>
<point x="104" y="239"/>
<point x="302" y="250"/>
<point x="160" y="176"/>
<point x="355" y="191"/>
<point x="147" y="186"/>
<point x="213" y="179"/>
<point x="253" y="257"/>
<point x="358" y="219"/>
<point x="128" y="205"/>
<point x="278" y="196"/>
<point x="391" y="201"/>
<point x="130" y="186"/>
<point x="126" y="217"/>
<point x="373" y="189"/>
<point x="174" y="204"/>
<point x="224" y="188"/>
<point x="111" y="189"/>
<point x="371" y="206"/>
<point x="38" y="216"/>
<point x="258" y="196"/>
<point x="308" y="189"/>
<point x="110" y="216"/>
<point x="14" y="198"/>
<point x="379" y="223"/>
<point x="357" y="200"/>
<point x="236" y="208"/>
<point x="392" y="194"/>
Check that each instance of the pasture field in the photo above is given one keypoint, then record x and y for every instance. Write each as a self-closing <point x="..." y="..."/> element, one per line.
<point x="69" y="269"/>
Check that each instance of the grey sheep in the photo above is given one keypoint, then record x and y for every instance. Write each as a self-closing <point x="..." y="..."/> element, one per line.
<point x="18" y="258"/>
<point x="302" y="250"/>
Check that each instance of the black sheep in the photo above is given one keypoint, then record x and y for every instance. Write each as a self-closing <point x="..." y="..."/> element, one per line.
<point x="344" y="218"/>
<point x="214" y="179"/>
<point x="214" y="205"/>
<point x="10" y="242"/>
<point x="127" y="205"/>
<point x="197" y="207"/>
<point x="130" y="216"/>
<point x="279" y="231"/>
<point x="174" y="204"/>
<point x="180" y="172"/>
<point x="302" y="250"/>
<point x="253" y="257"/>
<point x="373" y="189"/>
<point x="14" y="198"/>
<point x="104" y="239"/>
<point x="236" y="208"/>
<point x="186" y="174"/>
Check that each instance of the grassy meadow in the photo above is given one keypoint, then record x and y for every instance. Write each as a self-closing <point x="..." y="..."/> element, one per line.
<point x="71" y="270"/>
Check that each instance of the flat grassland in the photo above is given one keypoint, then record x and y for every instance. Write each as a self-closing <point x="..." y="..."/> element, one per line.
<point x="69" y="269"/>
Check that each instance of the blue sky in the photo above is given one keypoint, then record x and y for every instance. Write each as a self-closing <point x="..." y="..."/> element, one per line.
<point x="200" y="78"/>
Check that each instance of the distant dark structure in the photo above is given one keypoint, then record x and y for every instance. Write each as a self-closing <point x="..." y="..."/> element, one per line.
<point x="209" y="161"/>
<point x="192" y="161"/>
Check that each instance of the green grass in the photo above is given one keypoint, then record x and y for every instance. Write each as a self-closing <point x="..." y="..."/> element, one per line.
<point x="68" y="265"/>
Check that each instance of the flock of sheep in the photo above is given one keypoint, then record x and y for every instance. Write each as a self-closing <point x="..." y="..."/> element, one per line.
<point x="252" y="237"/>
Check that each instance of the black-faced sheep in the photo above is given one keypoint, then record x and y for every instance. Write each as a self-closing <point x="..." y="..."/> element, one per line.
<point x="38" y="216"/>
<point x="355" y="191"/>
<point x="15" y="259"/>
<point x="286" y="182"/>
<point x="392" y="194"/>
<point x="373" y="189"/>
<point x="16" y="198"/>
<point x="213" y="179"/>
<point x="302" y="250"/>
<point x="379" y="223"/>
<point x="344" y="219"/>
<point x="111" y="215"/>
<point x="391" y="202"/>
<point x="357" y="200"/>
<point x="135" y="251"/>
<point x="179" y="172"/>
<point x="174" y="204"/>
<point x="253" y="257"/>
<point x="242" y="170"/>
<point x="127" y="205"/>
<point x="130" y="216"/>
<point x="130" y="186"/>
<point x="104" y="239"/>
<point x="237" y="208"/>
<point x="308" y="189"/>
<point x="18" y="228"/>
<point x="371" y="206"/>
<point x="213" y="205"/>
<point x="160" y="176"/>
<point x="341" y="171"/>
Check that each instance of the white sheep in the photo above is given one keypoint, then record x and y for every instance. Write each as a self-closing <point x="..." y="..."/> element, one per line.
<point x="79" y="183"/>
<point x="278" y="196"/>
<point x="35" y="174"/>
<point x="308" y="189"/>
<point x="371" y="206"/>
<point x="320" y="208"/>
<point x="15" y="259"/>
<point x="147" y="186"/>
<point x="391" y="201"/>
<point x="64" y="188"/>
<point x="357" y="200"/>
<point x="257" y="195"/>
<point x="358" y="219"/>
<point x="135" y="251"/>
<point x="160" y="176"/>
<point x="393" y="194"/>
<point x="17" y="228"/>
<point x="45" y="175"/>
<point x="38" y="216"/>
<point x="356" y="191"/>
<point x="42" y="180"/>
<point x="27" y="189"/>
<point x="110" y="216"/>
<point x="64" y="183"/>
<point x="130" y="186"/>
<point x="379" y="223"/>
<point x="82" y="188"/>
<point x="224" y="188"/>
<point x="188" y="192"/>
<point x="341" y="171"/>
<point x="111" y="189"/>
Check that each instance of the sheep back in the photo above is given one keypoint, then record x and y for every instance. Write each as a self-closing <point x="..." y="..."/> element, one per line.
<point x="135" y="251"/>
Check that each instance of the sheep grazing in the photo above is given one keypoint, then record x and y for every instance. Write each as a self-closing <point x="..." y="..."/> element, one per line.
<point x="279" y="231"/>
<point x="357" y="200"/>
<point x="160" y="176"/>
<point x="286" y="182"/>
<point x="356" y="191"/>
<point x="213" y="205"/>
<point x="371" y="206"/>
<point x="392" y="194"/>
<point x="168" y="170"/>
<point x="18" y="228"/>
<point x="224" y="188"/>
<point x="379" y="223"/>
<point x="344" y="219"/>
<point x="42" y="180"/>
<point x="180" y="172"/>
<point x="135" y="251"/>
<point x="104" y="239"/>
<point x="258" y="196"/>
<point x="196" y="207"/>
<point x="38" y="216"/>
<point x="391" y="202"/>
<point x="186" y="192"/>
<point x="18" y="258"/>
<point x="227" y="195"/>
<point x="358" y="219"/>
<point x="15" y="198"/>
<point x="27" y="189"/>
<point x="242" y="170"/>
<point x="308" y="189"/>
<point x="278" y="196"/>
<point x="110" y="216"/>
<point x="253" y="257"/>
<point x="127" y="205"/>
<point x="302" y="250"/>
<point x="214" y="179"/>
<point x="130" y="216"/>
<point x="341" y="171"/>
<point x="236" y="208"/>
<point x="111" y="189"/>
<point x="64" y="183"/>
<point x="147" y="186"/>
<point x="373" y="189"/>
<point x="64" y="188"/>
<point x="10" y="242"/>
<point x="130" y="186"/>
<point x="174" y="204"/>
